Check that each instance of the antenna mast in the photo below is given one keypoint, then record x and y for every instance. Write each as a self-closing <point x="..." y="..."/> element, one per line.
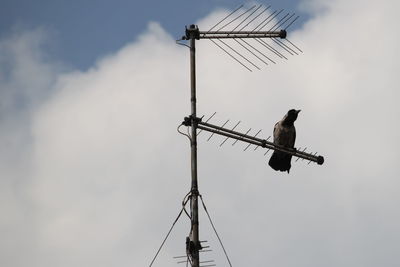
<point x="193" y="245"/>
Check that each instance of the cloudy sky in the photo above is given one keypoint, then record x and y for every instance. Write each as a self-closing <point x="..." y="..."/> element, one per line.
<point x="93" y="172"/>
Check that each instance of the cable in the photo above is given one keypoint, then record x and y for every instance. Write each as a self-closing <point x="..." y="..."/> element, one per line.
<point x="215" y="230"/>
<point x="187" y="135"/>
<point x="184" y="202"/>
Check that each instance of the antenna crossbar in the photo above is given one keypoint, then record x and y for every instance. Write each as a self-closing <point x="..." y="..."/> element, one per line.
<point x="258" y="142"/>
<point x="241" y="34"/>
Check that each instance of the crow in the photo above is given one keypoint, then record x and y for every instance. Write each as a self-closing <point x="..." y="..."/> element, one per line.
<point x="285" y="136"/>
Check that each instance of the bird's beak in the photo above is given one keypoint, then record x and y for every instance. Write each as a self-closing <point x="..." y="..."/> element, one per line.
<point x="298" y="111"/>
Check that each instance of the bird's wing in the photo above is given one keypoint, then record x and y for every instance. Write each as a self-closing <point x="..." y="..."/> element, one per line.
<point x="291" y="142"/>
<point x="276" y="132"/>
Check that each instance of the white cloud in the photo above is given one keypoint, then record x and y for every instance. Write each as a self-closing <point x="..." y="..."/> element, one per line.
<point x="94" y="171"/>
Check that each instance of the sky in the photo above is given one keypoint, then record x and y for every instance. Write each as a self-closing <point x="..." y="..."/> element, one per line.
<point x="93" y="171"/>
<point x="83" y="31"/>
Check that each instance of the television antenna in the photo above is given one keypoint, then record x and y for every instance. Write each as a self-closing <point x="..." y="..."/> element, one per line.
<point x="242" y="36"/>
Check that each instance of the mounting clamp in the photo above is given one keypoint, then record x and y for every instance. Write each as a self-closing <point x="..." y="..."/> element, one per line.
<point x="192" y="32"/>
<point x="187" y="121"/>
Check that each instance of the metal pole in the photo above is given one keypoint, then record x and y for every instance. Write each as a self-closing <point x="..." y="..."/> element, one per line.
<point x="193" y="33"/>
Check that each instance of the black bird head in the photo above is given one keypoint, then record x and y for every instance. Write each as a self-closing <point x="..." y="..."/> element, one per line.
<point x="291" y="116"/>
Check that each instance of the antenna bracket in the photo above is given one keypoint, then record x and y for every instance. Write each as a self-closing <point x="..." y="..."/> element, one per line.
<point x="264" y="143"/>
<point x="192" y="32"/>
<point x="187" y="121"/>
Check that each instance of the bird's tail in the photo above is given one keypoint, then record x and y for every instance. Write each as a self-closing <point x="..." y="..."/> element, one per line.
<point x="280" y="161"/>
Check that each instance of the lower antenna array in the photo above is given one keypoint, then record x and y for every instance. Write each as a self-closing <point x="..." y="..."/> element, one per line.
<point x="252" y="140"/>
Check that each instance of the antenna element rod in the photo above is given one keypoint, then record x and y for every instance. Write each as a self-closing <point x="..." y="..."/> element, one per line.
<point x="258" y="142"/>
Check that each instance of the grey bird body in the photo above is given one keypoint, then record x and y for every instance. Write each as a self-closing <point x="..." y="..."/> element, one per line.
<point x="285" y="136"/>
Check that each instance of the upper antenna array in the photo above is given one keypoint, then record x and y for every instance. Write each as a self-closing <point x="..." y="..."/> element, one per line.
<point x="243" y="35"/>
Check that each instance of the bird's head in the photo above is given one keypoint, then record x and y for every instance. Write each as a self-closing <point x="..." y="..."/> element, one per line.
<point x="292" y="115"/>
